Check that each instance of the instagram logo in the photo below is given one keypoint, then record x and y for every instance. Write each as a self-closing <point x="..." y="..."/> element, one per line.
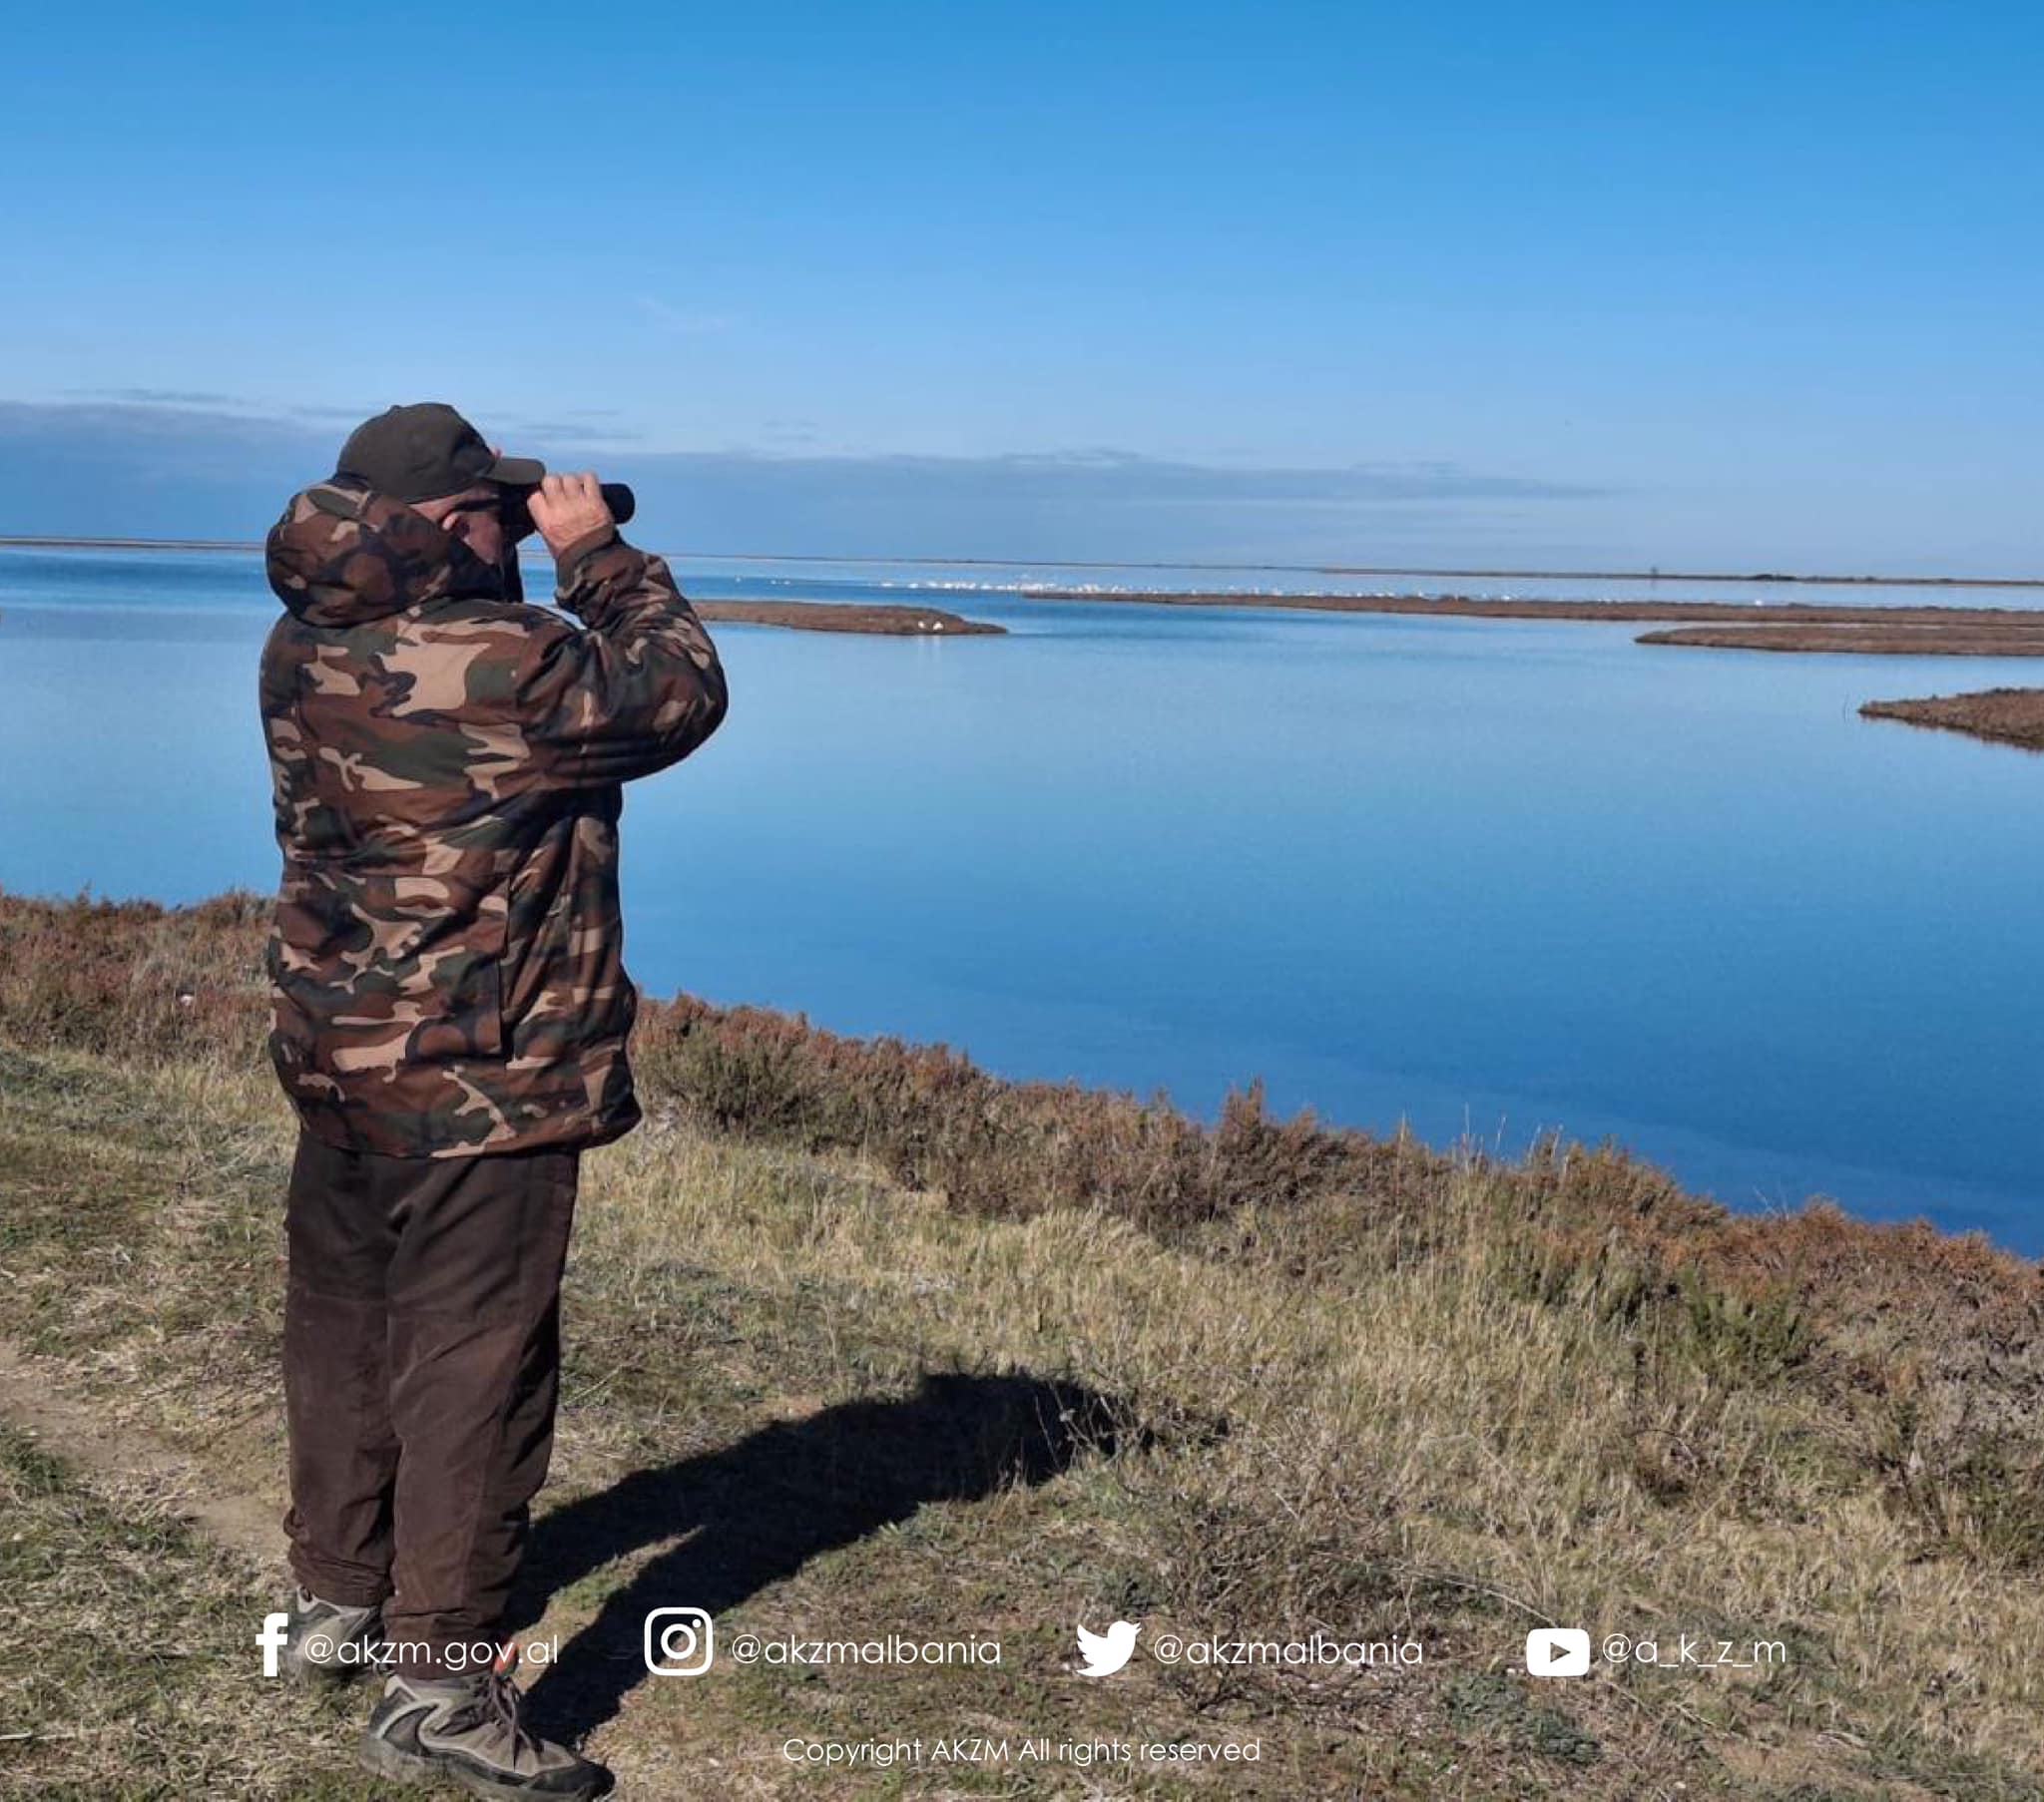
<point x="679" y="1643"/>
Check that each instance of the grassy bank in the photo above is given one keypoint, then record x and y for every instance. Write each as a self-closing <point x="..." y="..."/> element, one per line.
<point x="2000" y="716"/>
<point x="865" y="1340"/>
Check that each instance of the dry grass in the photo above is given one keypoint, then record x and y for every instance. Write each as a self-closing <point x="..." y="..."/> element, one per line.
<point x="1330" y="1382"/>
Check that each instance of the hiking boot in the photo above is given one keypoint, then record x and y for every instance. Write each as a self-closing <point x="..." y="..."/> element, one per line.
<point x="469" y="1731"/>
<point x="328" y="1641"/>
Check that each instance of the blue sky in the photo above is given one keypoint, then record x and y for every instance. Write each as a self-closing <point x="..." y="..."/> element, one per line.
<point x="1729" y="285"/>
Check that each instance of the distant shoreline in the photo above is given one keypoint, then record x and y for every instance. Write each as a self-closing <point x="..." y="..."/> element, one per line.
<point x="54" y="542"/>
<point x="10" y="542"/>
<point x="1479" y="606"/>
<point x="1922" y="630"/>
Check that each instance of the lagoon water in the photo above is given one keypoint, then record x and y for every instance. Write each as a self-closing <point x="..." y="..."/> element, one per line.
<point x="1489" y="877"/>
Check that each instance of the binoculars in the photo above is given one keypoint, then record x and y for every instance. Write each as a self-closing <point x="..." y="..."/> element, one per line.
<point x="518" y="525"/>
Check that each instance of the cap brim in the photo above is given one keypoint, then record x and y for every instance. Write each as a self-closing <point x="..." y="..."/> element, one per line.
<point x="516" y="472"/>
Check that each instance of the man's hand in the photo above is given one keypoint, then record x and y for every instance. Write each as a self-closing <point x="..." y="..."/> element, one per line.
<point x="568" y="509"/>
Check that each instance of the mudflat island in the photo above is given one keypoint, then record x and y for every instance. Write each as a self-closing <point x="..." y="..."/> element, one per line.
<point x="2001" y="715"/>
<point x="839" y="616"/>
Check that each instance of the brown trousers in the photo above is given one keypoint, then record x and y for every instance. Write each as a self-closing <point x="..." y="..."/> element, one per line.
<point x="421" y="1348"/>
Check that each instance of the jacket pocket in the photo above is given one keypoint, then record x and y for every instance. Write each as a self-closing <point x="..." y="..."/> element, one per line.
<point x="462" y="989"/>
<point x="376" y="970"/>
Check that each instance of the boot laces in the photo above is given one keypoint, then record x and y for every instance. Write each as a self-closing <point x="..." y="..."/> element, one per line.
<point x="505" y="1704"/>
<point x="499" y="1700"/>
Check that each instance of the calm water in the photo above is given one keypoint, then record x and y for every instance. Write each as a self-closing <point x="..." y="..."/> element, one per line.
<point x="1489" y="877"/>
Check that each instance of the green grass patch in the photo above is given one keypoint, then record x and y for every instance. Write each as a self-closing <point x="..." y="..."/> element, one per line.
<point x="128" y="1657"/>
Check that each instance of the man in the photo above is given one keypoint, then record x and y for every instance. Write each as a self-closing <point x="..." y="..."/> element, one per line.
<point x="451" y="1019"/>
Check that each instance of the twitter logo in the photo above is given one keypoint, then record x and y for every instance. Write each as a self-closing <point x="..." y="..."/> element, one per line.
<point x="1105" y="1654"/>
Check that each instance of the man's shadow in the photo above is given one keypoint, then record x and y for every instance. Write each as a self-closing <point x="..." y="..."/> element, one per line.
<point x="760" y="1510"/>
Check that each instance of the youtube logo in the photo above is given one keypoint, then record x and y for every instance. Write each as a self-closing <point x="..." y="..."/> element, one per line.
<point x="1557" y="1652"/>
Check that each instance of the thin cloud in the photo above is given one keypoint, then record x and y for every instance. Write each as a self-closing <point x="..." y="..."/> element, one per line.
<point x="568" y="431"/>
<point x="677" y="322"/>
<point x="158" y="469"/>
<point x="167" y="397"/>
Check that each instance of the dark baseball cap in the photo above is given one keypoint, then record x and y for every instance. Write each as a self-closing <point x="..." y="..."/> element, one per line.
<point x="427" y="452"/>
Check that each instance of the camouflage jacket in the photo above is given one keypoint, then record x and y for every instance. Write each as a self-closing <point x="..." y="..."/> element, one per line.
<point x="446" y="964"/>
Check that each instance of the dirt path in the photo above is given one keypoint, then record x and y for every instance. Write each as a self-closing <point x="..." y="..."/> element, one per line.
<point x="34" y="1397"/>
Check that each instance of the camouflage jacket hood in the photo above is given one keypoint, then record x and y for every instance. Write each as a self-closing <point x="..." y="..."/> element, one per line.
<point x="398" y="558"/>
<point x="446" y="961"/>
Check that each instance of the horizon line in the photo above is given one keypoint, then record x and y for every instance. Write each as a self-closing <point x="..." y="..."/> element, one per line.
<point x="65" y="542"/>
